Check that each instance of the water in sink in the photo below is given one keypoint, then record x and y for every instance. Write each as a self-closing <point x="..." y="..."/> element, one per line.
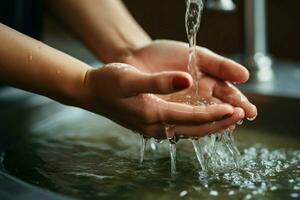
<point x="72" y="152"/>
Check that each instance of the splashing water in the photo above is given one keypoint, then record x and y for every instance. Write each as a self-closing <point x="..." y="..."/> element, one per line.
<point x="89" y="157"/>
<point x="192" y="23"/>
<point x="142" y="148"/>
<point x="169" y="129"/>
<point x="216" y="152"/>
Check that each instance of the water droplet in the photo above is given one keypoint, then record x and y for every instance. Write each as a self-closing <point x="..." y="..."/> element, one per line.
<point x="199" y="154"/>
<point x="170" y="134"/>
<point x="142" y="148"/>
<point x="251" y="119"/>
<point x="214" y="193"/>
<point x="30" y="56"/>
<point x="248" y="196"/>
<point x="240" y="122"/>
<point x="294" y="195"/>
<point x="183" y="193"/>
<point x="273" y="188"/>
<point x="159" y="141"/>
<point x="197" y="188"/>
<point x="296" y="187"/>
<point x="153" y="145"/>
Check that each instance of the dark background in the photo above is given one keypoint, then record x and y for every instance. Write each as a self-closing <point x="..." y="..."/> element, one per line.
<point x="222" y="32"/>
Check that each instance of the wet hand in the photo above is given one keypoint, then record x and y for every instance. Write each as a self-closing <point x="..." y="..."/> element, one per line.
<point x="166" y="55"/>
<point x="130" y="97"/>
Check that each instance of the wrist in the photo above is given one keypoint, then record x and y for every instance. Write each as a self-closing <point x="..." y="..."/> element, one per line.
<point x="124" y="48"/>
<point x="74" y="91"/>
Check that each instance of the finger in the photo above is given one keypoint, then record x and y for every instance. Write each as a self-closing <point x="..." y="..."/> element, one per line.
<point x="158" y="131"/>
<point x="230" y="94"/>
<point x="220" y="67"/>
<point x="232" y="127"/>
<point x="154" y="130"/>
<point x="178" y="113"/>
<point x="157" y="83"/>
<point x="202" y="130"/>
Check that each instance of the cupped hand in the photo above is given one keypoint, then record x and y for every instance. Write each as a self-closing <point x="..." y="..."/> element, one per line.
<point x="132" y="98"/>
<point x="167" y="55"/>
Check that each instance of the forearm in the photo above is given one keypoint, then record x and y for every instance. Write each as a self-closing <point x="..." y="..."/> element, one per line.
<point x="105" y="26"/>
<point x="31" y="65"/>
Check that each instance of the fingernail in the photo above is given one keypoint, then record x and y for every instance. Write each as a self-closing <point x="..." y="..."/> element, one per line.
<point x="180" y="83"/>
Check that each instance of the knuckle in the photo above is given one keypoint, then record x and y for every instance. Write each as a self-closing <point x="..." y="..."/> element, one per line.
<point x="148" y="116"/>
<point x="221" y="70"/>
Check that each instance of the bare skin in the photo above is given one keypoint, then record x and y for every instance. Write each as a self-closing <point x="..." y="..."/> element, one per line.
<point x="131" y="86"/>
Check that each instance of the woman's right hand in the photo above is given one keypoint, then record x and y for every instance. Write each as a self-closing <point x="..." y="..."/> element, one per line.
<point x="128" y="96"/>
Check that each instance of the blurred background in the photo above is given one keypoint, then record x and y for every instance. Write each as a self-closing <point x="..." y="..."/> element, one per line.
<point x="222" y="31"/>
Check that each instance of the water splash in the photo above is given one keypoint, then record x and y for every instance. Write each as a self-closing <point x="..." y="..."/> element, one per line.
<point x="29" y="56"/>
<point x="199" y="154"/>
<point x="153" y="145"/>
<point x="170" y="134"/>
<point x="216" y="152"/>
<point x="143" y="144"/>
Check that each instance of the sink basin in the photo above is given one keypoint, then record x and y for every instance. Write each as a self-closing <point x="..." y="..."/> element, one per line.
<point x="71" y="152"/>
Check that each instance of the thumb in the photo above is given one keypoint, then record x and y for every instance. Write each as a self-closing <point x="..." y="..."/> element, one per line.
<point x="158" y="83"/>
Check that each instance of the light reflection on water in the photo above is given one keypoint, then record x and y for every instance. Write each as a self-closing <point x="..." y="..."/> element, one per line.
<point x="85" y="156"/>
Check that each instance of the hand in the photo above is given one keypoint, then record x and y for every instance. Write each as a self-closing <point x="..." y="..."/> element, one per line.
<point x="122" y="93"/>
<point x="218" y="72"/>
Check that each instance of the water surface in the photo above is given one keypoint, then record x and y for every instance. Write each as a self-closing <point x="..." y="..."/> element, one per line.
<point x="73" y="152"/>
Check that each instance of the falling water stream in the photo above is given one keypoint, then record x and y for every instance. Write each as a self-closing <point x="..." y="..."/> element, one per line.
<point x="216" y="152"/>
